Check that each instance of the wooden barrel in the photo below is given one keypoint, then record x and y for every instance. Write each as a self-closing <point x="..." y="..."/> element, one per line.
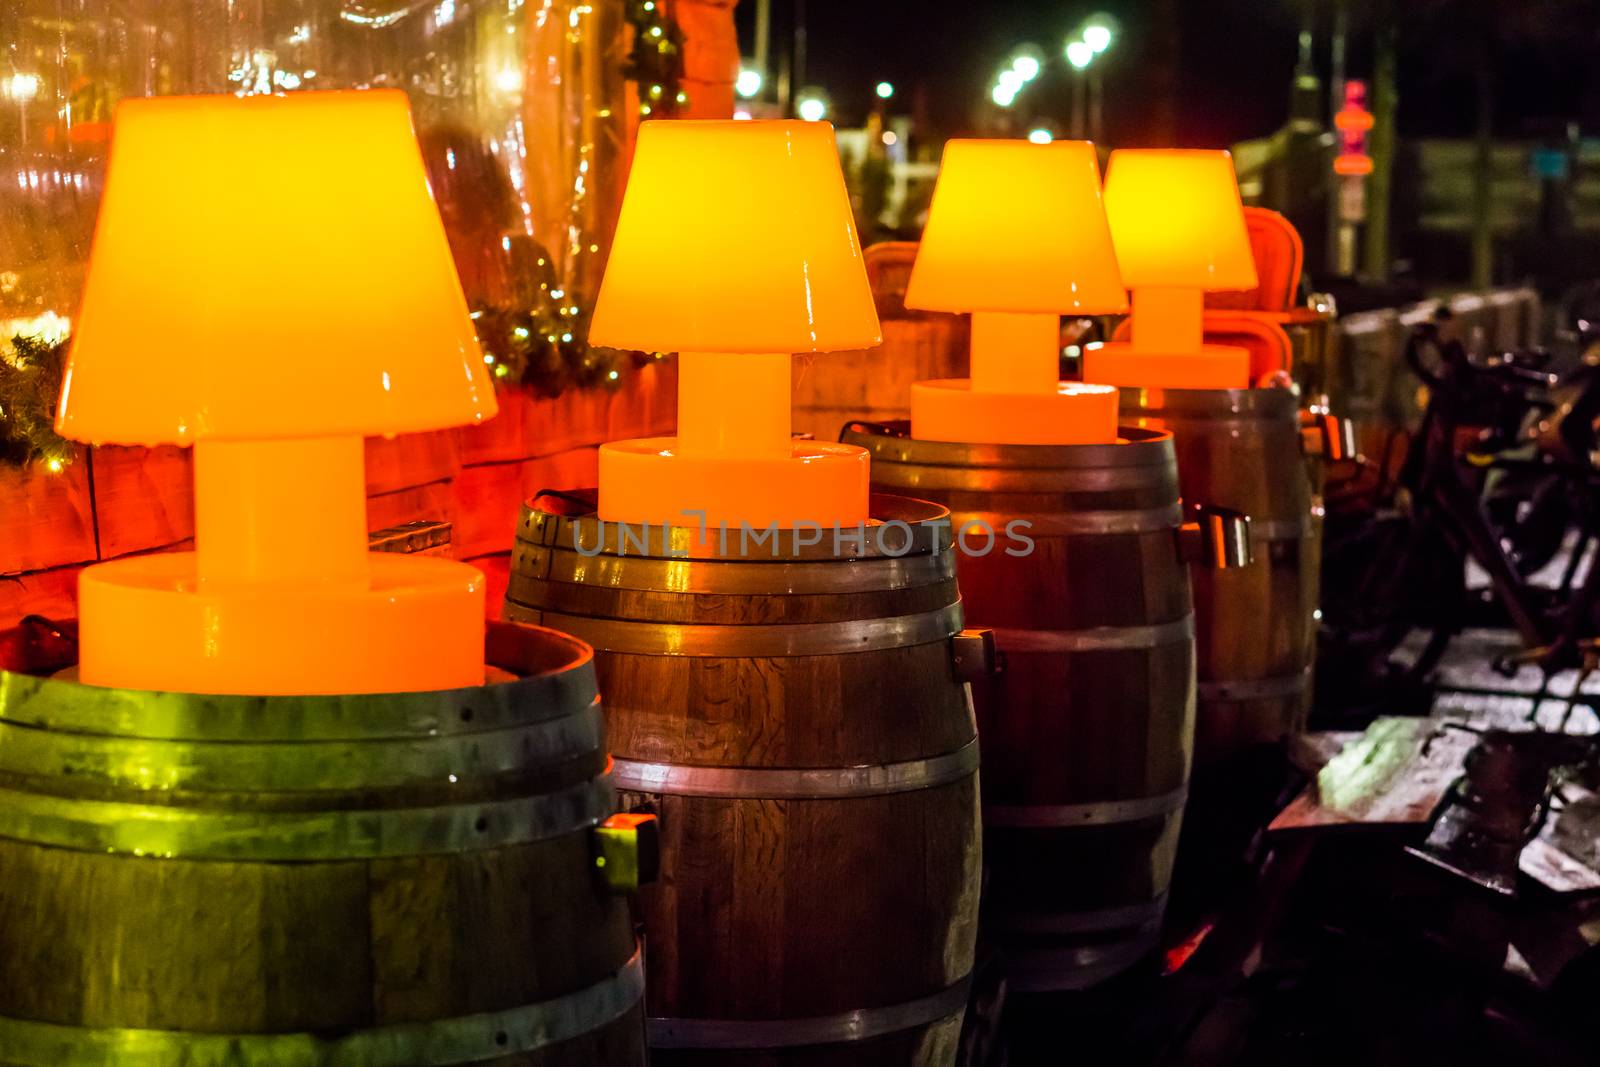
<point x="1255" y="626"/>
<point x="792" y="711"/>
<point x="1087" y="730"/>
<point x="387" y="880"/>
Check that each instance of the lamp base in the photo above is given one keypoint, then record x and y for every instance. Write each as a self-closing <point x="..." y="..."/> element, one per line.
<point x="649" y="481"/>
<point x="949" y="409"/>
<point x="1212" y="367"/>
<point x="146" y="624"/>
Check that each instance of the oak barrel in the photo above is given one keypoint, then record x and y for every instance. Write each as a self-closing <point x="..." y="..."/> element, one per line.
<point x="386" y="880"/>
<point x="1255" y="626"/>
<point x="792" y="711"/>
<point x="1087" y="730"/>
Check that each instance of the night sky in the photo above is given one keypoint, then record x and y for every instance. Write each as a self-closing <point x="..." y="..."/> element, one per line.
<point x="1234" y="60"/>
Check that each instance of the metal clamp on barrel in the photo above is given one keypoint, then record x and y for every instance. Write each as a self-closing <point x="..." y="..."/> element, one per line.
<point x="1216" y="537"/>
<point x="975" y="655"/>
<point x="866" y="427"/>
<point x="627" y="851"/>
<point x="1326" y="436"/>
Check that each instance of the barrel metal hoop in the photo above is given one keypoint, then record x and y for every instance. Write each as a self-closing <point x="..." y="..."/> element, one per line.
<point x="67" y="705"/>
<point x="1144" y="916"/>
<point x="172" y="831"/>
<point x="284" y="766"/>
<point x="1283" y="685"/>
<point x="1070" y="523"/>
<point x="858" y="1025"/>
<point x="1049" y="970"/>
<point x="1103" y="813"/>
<point x="892" y="445"/>
<point x="1264" y="530"/>
<point x="1097" y="639"/>
<point x="801" y="639"/>
<point x="917" y="478"/>
<point x="481" y="1038"/>
<point x="1141" y="407"/>
<point x="897" y="527"/>
<point x="676" y="576"/>
<point x="804" y="783"/>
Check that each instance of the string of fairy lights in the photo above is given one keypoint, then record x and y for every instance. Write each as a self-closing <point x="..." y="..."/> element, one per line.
<point x="655" y="59"/>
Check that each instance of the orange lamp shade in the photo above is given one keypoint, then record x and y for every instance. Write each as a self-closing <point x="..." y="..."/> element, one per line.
<point x="735" y="248"/>
<point x="1178" y="224"/>
<point x="270" y="282"/>
<point x="1017" y="235"/>
<point x="269" y="267"/>
<point x="735" y="237"/>
<point x="1017" y="227"/>
<point x="1177" y="220"/>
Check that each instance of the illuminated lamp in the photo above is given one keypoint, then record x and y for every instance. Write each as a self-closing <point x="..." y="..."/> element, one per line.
<point x="752" y="224"/>
<point x="269" y="282"/>
<point x="1179" y="229"/>
<point x="1017" y="236"/>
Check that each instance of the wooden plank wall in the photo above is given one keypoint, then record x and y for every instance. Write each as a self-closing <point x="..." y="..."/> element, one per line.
<point x="113" y="501"/>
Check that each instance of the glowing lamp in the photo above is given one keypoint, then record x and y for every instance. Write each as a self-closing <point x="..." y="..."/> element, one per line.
<point x="736" y="249"/>
<point x="1017" y="236"/>
<point x="1179" y="229"/>
<point x="270" y="282"/>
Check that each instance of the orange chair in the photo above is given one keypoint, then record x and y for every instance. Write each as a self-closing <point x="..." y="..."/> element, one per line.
<point x="1280" y="257"/>
<point x="1259" y="319"/>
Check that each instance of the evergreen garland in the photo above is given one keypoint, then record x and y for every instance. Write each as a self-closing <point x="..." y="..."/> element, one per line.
<point x="30" y="385"/>
<point x="543" y="350"/>
<point x="656" y="59"/>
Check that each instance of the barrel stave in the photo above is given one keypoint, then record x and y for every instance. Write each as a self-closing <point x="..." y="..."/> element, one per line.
<point x="1033" y="753"/>
<point x="727" y="711"/>
<point x="1078" y="582"/>
<point x="773" y="911"/>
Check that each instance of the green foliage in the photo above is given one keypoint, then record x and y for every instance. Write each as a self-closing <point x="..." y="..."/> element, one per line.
<point x="544" y="350"/>
<point x="656" y="59"/>
<point x="30" y="385"/>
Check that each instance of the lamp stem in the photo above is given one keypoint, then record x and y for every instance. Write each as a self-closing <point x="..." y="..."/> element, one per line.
<point x="1015" y="353"/>
<point x="1168" y="320"/>
<point x="734" y="404"/>
<point x="281" y="512"/>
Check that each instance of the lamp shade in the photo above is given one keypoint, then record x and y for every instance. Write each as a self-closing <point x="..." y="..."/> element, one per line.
<point x="1017" y="227"/>
<point x="269" y="267"/>
<point x="1177" y="220"/>
<point x="735" y="237"/>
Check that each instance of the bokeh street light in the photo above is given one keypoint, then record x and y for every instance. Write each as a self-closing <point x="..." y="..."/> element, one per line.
<point x="749" y="83"/>
<point x="1080" y="54"/>
<point x="1099" y="31"/>
<point x="885" y="90"/>
<point x="813" y="105"/>
<point x="1026" y="64"/>
<point x="1027" y="59"/>
<point x="1041" y="136"/>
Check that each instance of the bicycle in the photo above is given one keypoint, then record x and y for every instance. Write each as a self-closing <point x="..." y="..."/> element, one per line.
<point x="1499" y="471"/>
